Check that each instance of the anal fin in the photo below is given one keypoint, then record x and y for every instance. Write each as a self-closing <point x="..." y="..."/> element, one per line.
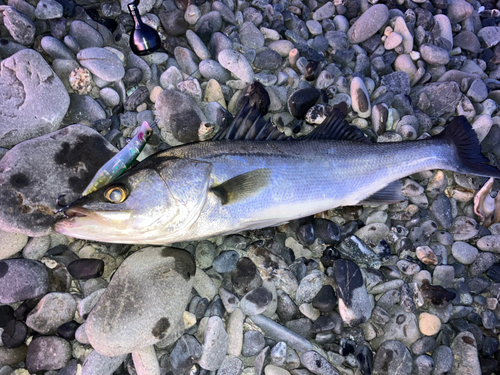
<point x="388" y="195"/>
<point x="242" y="186"/>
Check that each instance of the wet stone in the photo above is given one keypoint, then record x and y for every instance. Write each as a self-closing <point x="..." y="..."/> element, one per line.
<point x="325" y="300"/>
<point x="165" y="300"/>
<point x="256" y="301"/>
<point x="84" y="269"/>
<point x="225" y="261"/>
<point x="423" y="345"/>
<point x="300" y="101"/>
<point x="245" y="276"/>
<point x="354" y="304"/>
<point x="14" y="334"/>
<point x="441" y="209"/>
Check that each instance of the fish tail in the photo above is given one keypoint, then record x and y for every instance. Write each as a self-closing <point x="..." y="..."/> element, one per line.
<point x="468" y="149"/>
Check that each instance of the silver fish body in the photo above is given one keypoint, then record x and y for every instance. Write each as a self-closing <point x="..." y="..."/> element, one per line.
<point x="214" y="188"/>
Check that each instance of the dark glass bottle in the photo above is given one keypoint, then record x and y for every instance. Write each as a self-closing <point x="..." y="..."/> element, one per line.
<point x="143" y="38"/>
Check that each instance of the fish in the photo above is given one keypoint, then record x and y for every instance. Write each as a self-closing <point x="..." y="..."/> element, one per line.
<point x="121" y="161"/>
<point x="252" y="176"/>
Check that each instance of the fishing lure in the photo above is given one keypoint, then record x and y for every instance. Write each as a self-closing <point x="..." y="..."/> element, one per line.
<point x="121" y="161"/>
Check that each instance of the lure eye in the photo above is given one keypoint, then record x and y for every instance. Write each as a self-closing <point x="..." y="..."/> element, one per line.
<point x="116" y="194"/>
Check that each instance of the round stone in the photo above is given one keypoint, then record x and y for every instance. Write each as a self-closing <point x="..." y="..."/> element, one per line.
<point x="464" y="253"/>
<point x="429" y="324"/>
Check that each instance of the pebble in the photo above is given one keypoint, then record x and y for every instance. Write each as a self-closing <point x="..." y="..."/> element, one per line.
<point x="96" y="363"/>
<point x="236" y="64"/>
<point x="47" y="353"/>
<point x="22" y="279"/>
<point x="102" y="62"/>
<point x="317" y="364"/>
<point x="466" y="359"/>
<point x="429" y="324"/>
<point x="256" y="301"/>
<point x="53" y="310"/>
<point x="215" y="344"/>
<point x="368" y="24"/>
<point x="392" y="358"/>
<point x="20" y="26"/>
<point x="464" y="253"/>
<point x="360" y="98"/>
<point x="185" y="353"/>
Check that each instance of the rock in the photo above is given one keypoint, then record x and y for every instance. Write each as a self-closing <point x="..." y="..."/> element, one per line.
<point x="465" y="354"/>
<point x="368" y="24"/>
<point x="173" y="22"/>
<point x="48" y="9"/>
<point x="443" y="359"/>
<point x="231" y="366"/>
<point x="397" y="83"/>
<point x="55" y="48"/>
<point x="11" y="243"/>
<point x="186" y="352"/>
<point x="273" y="268"/>
<point x="22" y="279"/>
<point x="53" y="310"/>
<point x="402" y="326"/>
<point x="459" y="10"/>
<point x="47" y="353"/>
<point x="489" y="243"/>
<point x="250" y="36"/>
<point x="354" y="304"/>
<point x="97" y="363"/>
<point x="245" y="277"/>
<point x="85" y="108"/>
<point x="86" y="35"/>
<point x="12" y="356"/>
<point x="434" y="55"/>
<point x="188" y="61"/>
<point x="268" y="60"/>
<point x="256" y="301"/>
<point x="325" y="300"/>
<point x="68" y="159"/>
<point x="317" y="364"/>
<point x="208" y="24"/>
<point x="20" y="26"/>
<point x="214" y="345"/>
<point x="211" y="69"/>
<point x="392" y="358"/>
<point x="301" y="101"/>
<point x="360" y="98"/>
<point x="442" y="97"/>
<point x="467" y="41"/>
<point x="253" y="343"/>
<point x="429" y="324"/>
<point x="464" y="253"/>
<point x="490" y="35"/>
<point x="14" y="334"/>
<point x="112" y="327"/>
<point x="237" y="64"/>
<point x="34" y="104"/>
<point x="180" y="116"/>
<point x="102" y="62"/>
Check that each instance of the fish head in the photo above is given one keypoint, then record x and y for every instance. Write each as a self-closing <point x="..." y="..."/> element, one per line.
<point x="153" y="203"/>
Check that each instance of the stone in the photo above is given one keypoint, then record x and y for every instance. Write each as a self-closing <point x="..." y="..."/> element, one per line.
<point x="231" y="366"/>
<point x="402" y="326"/>
<point x="173" y="22"/>
<point x="34" y="104"/>
<point x="256" y="301"/>
<point x="251" y="36"/>
<point x="48" y="9"/>
<point x="464" y="228"/>
<point x="392" y="358"/>
<point x="214" y="345"/>
<point x="14" y="334"/>
<point x="96" y="363"/>
<point x="22" y="279"/>
<point x="490" y="36"/>
<point x="268" y="60"/>
<point x="360" y="98"/>
<point x="112" y="327"/>
<point x="397" y="82"/>
<point x="180" y="116"/>
<point x="237" y="64"/>
<point x="371" y="21"/>
<point x="186" y="352"/>
<point x="53" y="310"/>
<point x="442" y="97"/>
<point x="208" y="24"/>
<point x="317" y="364"/>
<point x="20" y="26"/>
<point x="465" y="355"/>
<point x="85" y="35"/>
<point x="459" y="10"/>
<point x="467" y="41"/>
<point x="354" y="304"/>
<point x="102" y="62"/>
<point x="434" y="55"/>
<point x="301" y="101"/>
<point x="211" y="69"/>
<point x="429" y="324"/>
<point x="464" y="253"/>
<point x="84" y="269"/>
<point x="443" y="359"/>
<point x="325" y="300"/>
<point x="253" y="343"/>
<point x="47" y="353"/>
<point x="245" y="277"/>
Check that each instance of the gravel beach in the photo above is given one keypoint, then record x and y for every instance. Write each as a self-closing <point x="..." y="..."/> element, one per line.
<point x="404" y="289"/>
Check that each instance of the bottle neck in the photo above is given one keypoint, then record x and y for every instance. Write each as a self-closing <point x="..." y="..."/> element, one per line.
<point x="134" y="12"/>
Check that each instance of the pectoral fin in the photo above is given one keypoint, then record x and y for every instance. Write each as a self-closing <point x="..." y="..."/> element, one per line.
<point x="242" y="186"/>
<point x="388" y="195"/>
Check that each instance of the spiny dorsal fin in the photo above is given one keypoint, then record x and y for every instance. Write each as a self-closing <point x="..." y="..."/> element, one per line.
<point x="388" y="195"/>
<point x="335" y="127"/>
<point x="242" y="186"/>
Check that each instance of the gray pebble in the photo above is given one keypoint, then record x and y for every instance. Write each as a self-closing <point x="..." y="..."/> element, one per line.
<point x="392" y="358"/>
<point x="83" y="107"/>
<point x="96" y="363"/>
<point x="253" y="343"/>
<point x="186" y="352"/>
<point x="47" y="353"/>
<point x="211" y="69"/>
<point x="22" y="279"/>
<point x="86" y="35"/>
<point x="225" y="261"/>
<point x="464" y="253"/>
<point x="102" y="62"/>
<point x="56" y="49"/>
<point x="230" y="366"/>
<point x="368" y="24"/>
<point x="443" y="276"/>
<point x="48" y="9"/>
<point x="20" y="27"/>
<point x="250" y="36"/>
<point x="317" y="364"/>
<point x="214" y="345"/>
<point x="53" y="310"/>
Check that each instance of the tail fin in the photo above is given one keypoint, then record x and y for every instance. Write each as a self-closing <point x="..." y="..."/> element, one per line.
<point x="461" y="134"/>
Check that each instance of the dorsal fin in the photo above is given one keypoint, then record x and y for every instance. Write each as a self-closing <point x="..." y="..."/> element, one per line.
<point x="335" y="127"/>
<point x="249" y="125"/>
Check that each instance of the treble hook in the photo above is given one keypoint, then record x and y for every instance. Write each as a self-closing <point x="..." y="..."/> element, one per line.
<point x="63" y="207"/>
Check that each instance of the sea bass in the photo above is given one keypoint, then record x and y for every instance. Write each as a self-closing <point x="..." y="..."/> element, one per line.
<point x="232" y="183"/>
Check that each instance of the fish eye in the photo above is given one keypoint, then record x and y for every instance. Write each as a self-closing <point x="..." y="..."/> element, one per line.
<point x="149" y="132"/>
<point x="116" y="194"/>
